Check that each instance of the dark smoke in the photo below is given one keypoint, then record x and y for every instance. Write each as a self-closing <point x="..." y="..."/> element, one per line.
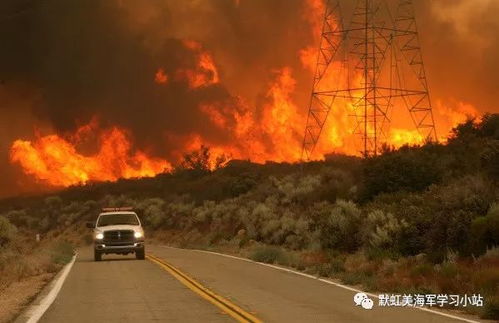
<point x="460" y="40"/>
<point x="99" y="58"/>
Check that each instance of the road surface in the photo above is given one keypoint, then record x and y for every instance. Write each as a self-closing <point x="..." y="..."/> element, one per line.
<point x="122" y="289"/>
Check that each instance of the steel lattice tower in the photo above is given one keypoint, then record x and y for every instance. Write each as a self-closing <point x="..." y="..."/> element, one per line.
<point x="371" y="67"/>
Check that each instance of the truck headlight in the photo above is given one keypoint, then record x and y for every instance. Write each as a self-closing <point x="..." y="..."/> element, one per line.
<point x="99" y="236"/>
<point x="137" y="234"/>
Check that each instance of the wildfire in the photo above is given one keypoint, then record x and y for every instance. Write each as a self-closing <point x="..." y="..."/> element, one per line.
<point x="205" y="73"/>
<point x="275" y="135"/>
<point x="399" y="137"/>
<point x="313" y="13"/>
<point x="451" y="114"/>
<point x="56" y="161"/>
<point x="337" y="133"/>
<point x="271" y="130"/>
<point x="160" y="77"/>
<point x="281" y="121"/>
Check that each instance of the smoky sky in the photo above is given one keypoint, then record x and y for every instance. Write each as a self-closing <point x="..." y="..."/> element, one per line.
<point x="460" y="44"/>
<point x="91" y="58"/>
<point x="64" y="62"/>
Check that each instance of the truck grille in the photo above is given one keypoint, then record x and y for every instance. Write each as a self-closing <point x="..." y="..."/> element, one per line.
<point x="119" y="237"/>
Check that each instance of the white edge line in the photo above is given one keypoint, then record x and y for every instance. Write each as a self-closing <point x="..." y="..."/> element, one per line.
<point x="324" y="281"/>
<point x="36" y="311"/>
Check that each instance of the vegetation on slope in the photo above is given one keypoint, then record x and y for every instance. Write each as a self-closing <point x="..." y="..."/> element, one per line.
<point x="412" y="219"/>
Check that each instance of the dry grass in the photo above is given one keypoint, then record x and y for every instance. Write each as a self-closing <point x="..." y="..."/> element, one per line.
<point x="404" y="275"/>
<point x="19" y="294"/>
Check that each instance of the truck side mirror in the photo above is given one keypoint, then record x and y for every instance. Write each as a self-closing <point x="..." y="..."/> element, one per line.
<point x="90" y="225"/>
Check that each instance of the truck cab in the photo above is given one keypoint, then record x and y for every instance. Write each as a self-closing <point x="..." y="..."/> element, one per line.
<point x="118" y="231"/>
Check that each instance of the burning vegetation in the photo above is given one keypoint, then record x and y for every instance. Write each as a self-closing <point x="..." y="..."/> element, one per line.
<point x="160" y="93"/>
<point x="56" y="160"/>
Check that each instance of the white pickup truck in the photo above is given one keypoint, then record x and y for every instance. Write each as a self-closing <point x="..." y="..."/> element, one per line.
<point x="118" y="231"/>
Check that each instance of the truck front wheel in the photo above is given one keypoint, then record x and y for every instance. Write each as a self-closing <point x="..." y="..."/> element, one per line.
<point x="140" y="254"/>
<point x="97" y="255"/>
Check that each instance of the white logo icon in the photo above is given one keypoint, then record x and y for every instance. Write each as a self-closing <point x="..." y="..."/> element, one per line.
<point x="364" y="301"/>
<point x="367" y="303"/>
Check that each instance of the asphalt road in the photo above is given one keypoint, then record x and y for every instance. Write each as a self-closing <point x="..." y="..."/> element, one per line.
<point x="122" y="289"/>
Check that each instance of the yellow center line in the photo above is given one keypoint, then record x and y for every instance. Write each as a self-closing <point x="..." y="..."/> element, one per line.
<point x="224" y="304"/>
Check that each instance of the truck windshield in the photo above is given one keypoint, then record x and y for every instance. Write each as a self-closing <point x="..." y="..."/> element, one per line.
<point x="117" y="219"/>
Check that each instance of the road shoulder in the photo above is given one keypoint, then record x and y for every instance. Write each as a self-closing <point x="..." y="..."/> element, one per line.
<point x="46" y="296"/>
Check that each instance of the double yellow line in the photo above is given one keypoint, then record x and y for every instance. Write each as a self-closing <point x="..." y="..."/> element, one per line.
<point x="225" y="305"/>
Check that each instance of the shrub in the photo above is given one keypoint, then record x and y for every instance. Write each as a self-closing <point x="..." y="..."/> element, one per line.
<point x="62" y="252"/>
<point x="485" y="231"/>
<point x="491" y="308"/>
<point x="423" y="269"/>
<point x="53" y="202"/>
<point x="448" y="214"/>
<point x="20" y="218"/>
<point x="197" y="160"/>
<point x="336" y="183"/>
<point x="355" y="278"/>
<point x="267" y="254"/>
<point x="491" y="254"/>
<point x="449" y="270"/>
<point x="7" y="231"/>
<point x="153" y="213"/>
<point x="383" y="230"/>
<point x="179" y="214"/>
<point x="339" y="225"/>
<point x="407" y="169"/>
<point x="290" y="259"/>
<point x="242" y="184"/>
<point x="471" y="194"/>
<point x="269" y="229"/>
<point x="489" y="159"/>
<point x="297" y="189"/>
<point x="13" y="267"/>
<point x="337" y="265"/>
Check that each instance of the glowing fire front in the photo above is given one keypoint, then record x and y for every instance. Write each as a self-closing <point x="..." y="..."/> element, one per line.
<point x="56" y="161"/>
<point x="271" y="131"/>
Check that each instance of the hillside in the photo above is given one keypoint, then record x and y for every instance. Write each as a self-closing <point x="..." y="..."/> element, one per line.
<point x="414" y="219"/>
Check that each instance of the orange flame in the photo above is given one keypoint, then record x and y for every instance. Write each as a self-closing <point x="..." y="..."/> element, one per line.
<point x="205" y="73"/>
<point x="272" y="131"/>
<point x="56" y="161"/>
<point x="313" y="13"/>
<point x="275" y="136"/>
<point x="337" y="132"/>
<point x="160" y="77"/>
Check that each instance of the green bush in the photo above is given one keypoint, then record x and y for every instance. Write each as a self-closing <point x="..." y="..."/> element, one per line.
<point x="337" y="265"/>
<point x="356" y="278"/>
<point x="485" y="231"/>
<point x="489" y="159"/>
<point x="152" y="212"/>
<point x="336" y="184"/>
<point x="407" y="169"/>
<point x="242" y="184"/>
<point x="339" y="225"/>
<point x="267" y="254"/>
<point x="383" y="230"/>
<point x="62" y="252"/>
<point x="297" y="189"/>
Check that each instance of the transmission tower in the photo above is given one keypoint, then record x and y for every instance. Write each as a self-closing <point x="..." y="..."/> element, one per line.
<point x="369" y="68"/>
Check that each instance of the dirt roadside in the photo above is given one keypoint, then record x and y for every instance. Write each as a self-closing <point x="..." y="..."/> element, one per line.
<point x="18" y="295"/>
